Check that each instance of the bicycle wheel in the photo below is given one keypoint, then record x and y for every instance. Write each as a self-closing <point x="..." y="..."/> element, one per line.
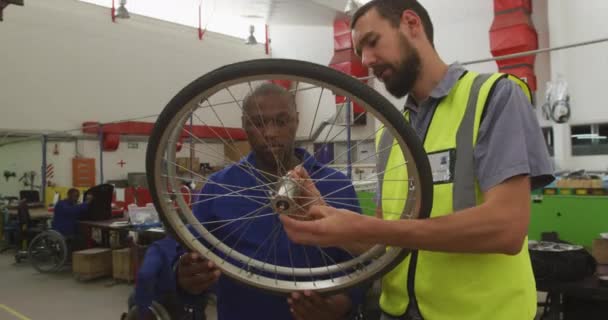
<point x="48" y="251"/>
<point x="208" y="117"/>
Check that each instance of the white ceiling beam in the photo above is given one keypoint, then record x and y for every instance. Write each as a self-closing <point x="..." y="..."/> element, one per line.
<point x="337" y="5"/>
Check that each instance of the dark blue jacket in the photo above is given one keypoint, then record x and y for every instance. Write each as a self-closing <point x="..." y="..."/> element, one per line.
<point x="234" y="300"/>
<point x="155" y="277"/>
<point x="66" y="216"/>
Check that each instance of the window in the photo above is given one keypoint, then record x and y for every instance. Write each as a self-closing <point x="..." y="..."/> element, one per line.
<point x="548" y="135"/>
<point x="589" y="139"/>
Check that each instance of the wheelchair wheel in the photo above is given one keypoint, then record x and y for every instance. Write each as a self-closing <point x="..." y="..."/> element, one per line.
<point x="48" y="251"/>
<point x="207" y="118"/>
<point x="160" y="313"/>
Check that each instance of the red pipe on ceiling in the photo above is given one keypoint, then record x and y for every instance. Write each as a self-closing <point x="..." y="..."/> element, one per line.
<point x="113" y="12"/>
<point x="112" y="132"/>
<point x="344" y="58"/>
<point x="512" y="31"/>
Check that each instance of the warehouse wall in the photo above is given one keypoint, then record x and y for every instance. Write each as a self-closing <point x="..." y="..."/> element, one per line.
<point x="64" y="62"/>
<point x="585" y="69"/>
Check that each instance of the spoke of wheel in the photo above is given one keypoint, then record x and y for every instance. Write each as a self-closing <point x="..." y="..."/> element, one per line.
<point x="293" y="270"/>
<point x="376" y="175"/>
<point x="251" y="214"/>
<point x="340" y="132"/>
<point x="312" y="278"/>
<point x="231" y="220"/>
<point x="332" y="125"/>
<point x="325" y="263"/>
<point x="333" y="263"/>
<point x="314" y="119"/>
<point x="350" y="149"/>
<point x="200" y="176"/>
<point x="272" y="246"/>
<point x="332" y="173"/>
<point x="274" y="231"/>
<point x="239" y="165"/>
<point x="226" y="195"/>
<point x="218" y="194"/>
<point x="276" y="271"/>
<point x="223" y="185"/>
<point x="348" y="252"/>
<point x="248" y="223"/>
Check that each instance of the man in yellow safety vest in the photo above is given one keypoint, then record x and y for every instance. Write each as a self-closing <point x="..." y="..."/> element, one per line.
<point x="469" y="260"/>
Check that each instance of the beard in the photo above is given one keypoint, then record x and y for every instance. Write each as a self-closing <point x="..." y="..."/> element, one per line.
<point x="405" y="73"/>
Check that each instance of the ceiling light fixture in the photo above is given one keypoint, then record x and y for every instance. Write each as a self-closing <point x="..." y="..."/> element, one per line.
<point x="122" y="11"/>
<point x="251" y="39"/>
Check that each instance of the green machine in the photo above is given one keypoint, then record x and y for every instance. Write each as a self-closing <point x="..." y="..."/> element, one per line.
<point x="576" y="218"/>
<point x="367" y="203"/>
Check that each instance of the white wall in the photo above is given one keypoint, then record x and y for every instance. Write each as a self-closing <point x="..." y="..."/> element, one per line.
<point x="300" y="42"/>
<point x="585" y="69"/>
<point x="65" y="62"/>
<point x="135" y="159"/>
<point x="19" y="158"/>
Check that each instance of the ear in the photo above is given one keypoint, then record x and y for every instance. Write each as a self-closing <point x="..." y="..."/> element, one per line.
<point x="411" y="24"/>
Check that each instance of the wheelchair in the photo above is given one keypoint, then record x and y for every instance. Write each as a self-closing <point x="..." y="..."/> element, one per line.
<point x="167" y="308"/>
<point x="159" y="312"/>
<point x="48" y="251"/>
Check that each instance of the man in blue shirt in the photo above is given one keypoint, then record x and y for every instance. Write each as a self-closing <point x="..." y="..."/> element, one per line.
<point x="156" y="282"/>
<point x="270" y="120"/>
<point x="67" y="212"/>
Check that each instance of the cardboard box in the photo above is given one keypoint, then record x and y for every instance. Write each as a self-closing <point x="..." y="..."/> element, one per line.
<point x="579" y="183"/>
<point x="92" y="263"/>
<point x="600" y="250"/>
<point x="122" y="264"/>
<point x="185" y="164"/>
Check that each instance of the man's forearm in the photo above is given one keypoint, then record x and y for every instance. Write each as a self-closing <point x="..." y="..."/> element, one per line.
<point x="473" y="230"/>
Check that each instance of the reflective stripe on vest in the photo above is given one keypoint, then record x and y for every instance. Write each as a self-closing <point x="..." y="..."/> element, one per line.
<point x="450" y="285"/>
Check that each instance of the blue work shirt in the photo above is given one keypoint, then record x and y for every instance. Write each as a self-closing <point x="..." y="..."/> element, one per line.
<point x="155" y="277"/>
<point x="65" y="217"/>
<point x="236" y="301"/>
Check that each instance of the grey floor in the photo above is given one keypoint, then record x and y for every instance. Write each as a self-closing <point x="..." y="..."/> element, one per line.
<point x="26" y="294"/>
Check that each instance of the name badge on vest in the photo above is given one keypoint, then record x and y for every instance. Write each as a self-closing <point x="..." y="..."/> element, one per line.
<point x="442" y="165"/>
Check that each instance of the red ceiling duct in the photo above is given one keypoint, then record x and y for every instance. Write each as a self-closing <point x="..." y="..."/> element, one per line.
<point x="110" y="141"/>
<point x="112" y="132"/>
<point x="345" y="60"/>
<point x="512" y="31"/>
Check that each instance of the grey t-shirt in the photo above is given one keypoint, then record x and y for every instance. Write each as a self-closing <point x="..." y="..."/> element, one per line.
<point x="509" y="142"/>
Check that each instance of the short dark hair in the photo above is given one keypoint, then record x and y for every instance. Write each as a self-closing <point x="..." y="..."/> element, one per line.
<point x="266" y="89"/>
<point x="392" y="10"/>
<point x="72" y="190"/>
